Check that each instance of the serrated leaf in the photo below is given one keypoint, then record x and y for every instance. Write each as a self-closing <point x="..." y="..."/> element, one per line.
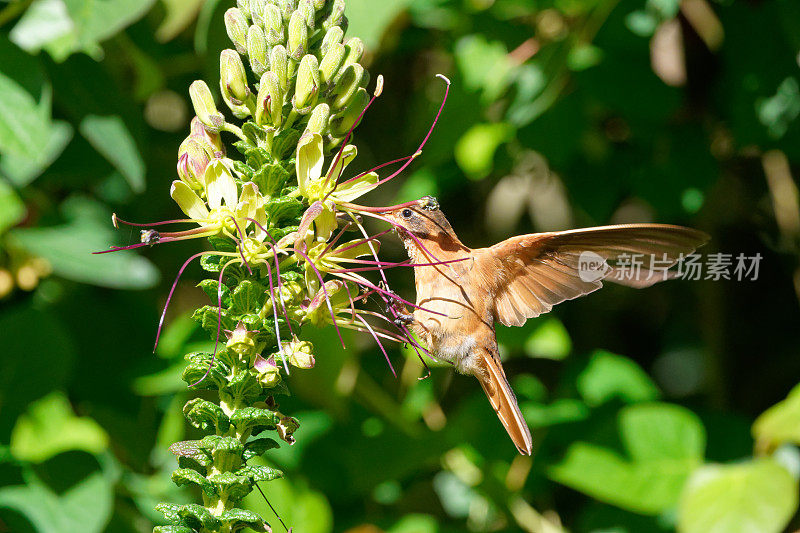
<point x="206" y="415"/>
<point x="257" y="448"/>
<point x="282" y="209"/>
<point x="248" y="418"/>
<point x="173" y="529"/>
<point x="213" y="263"/>
<point x="258" y="473"/>
<point x="226" y="451"/>
<point x="197" y="516"/>
<point x="238" y="519"/>
<point x="244" y="386"/>
<point x="209" y="318"/>
<point x="257" y="157"/>
<point x="270" y="178"/>
<point x="283" y="142"/>
<point x="231" y="487"/>
<point x="187" y="476"/>
<point x="248" y="297"/>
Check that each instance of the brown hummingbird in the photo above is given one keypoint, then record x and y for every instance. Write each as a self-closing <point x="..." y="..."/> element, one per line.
<point x="462" y="292"/>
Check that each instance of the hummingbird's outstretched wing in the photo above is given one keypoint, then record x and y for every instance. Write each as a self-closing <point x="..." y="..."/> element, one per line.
<point x="529" y="274"/>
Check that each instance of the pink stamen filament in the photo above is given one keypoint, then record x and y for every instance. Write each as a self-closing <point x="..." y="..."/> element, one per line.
<point x="116" y="219"/>
<point x="219" y="324"/>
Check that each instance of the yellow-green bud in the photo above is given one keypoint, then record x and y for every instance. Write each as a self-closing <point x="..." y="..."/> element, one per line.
<point x="287" y="7"/>
<point x="236" y="26"/>
<point x="307" y="9"/>
<point x="318" y="4"/>
<point x="269" y="107"/>
<point x="232" y="76"/>
<point x="332" y="37"/>
<point x="257" y="50"/>
<point x="350" y="79"/>
<point x="273" y="24"/>
<point x="257" y="11"/>
<point x="336" y="18"/>
<point x="299" y="353"/>
<point x="278" y="63"/>
<point x="318" y="119"/>
<point x="306" y="85"/>
<point x="297" y="43"/>
<point x="244" y="6"/>
<point x="241" y="341"/>
<point x="347" y="119"/>
<point x="204" y="107"/>
<point x="332" y="61"/>
<point x="355" y="50"/>
<point x="268" y="373"/>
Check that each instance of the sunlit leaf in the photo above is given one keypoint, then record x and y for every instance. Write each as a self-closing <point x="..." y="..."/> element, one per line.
<point x="757" y="496"/>
<point x="550" y="341"/>
<point x="475" y="150"/>
<point x="11" y="207"/>
<point x="780" y="423"/>
<point x="369" y="19"/>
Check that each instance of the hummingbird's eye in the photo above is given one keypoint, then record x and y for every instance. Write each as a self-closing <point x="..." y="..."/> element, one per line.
<point x="406" y="213"/>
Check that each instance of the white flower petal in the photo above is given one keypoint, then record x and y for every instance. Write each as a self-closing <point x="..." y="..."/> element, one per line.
<point x="220" y="186"/>
<point x="188" y="201"/>
<point x="308" y="162"/>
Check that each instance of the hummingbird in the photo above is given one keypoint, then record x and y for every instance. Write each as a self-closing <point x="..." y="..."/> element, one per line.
<point x="462" y="292"/>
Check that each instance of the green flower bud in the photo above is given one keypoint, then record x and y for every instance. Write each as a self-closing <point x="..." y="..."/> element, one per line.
<point x="257" y="11"/>
<point x="236" y="26"/>
<point x="306" y="84"/>
<point x="287" y="7"/>
<point x="318" y="119"/>
<point x="297" y="43"/>
<point x="318" y="4"/>
<point x="268" y="372"/>
<point x="336" y="18"/>
<point x="355" y="50"/>
<point x="299" y="353"/>
<point x="332" y="61"/>
<point x="244" y="7"/>
<point x="332" y="37"/>
<point x="257" y="50"/>
<point x="273" y="25"/>
<point x="233" y="78"/>
<point x="350" y="79"/>
<point x="279" y="63"/>
<point x="204" y="107"/>
<point x="269" y="107"/>
<point x="306" y="7"/>
<point x="342" y="123"/>
<point x="241" y="341"/>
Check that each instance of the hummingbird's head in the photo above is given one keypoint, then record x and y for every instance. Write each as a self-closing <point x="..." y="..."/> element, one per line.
<point x="422" y="218"/>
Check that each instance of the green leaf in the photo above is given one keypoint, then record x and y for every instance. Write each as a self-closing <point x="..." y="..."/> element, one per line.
<point x="258" y="473"/>
<point x="63" y="27"/>
<point x="190" y="455"/>
<point x="206" y="415"/>
<point x="50" y="427"/>
<point x="173" y="529"/>
<point x="68" y="248"/>
<point x="550" y="341"/>
<point x="757" y="496"/>
<point x="609" y="376"/>
<point x="561" y="411"/>
<point x="179" y="15"/>
<point x="12" y="210"/>
<point x="779" y="424"/>
<point x="248" y="297"/>
<point x="661" y="431"/>
<point x="244" y="386"/>
<point x="187" y="476"/>
<point x="369" y="19"/>
<point x="665" y="444"/>
<point x="226" y="451"/>
<point x="85" y="506"/>
<point x="258" y="447"/>
<point x="249" y="418"/>
<point x="474" y="151"/>
<point x="238" y="519"/>
<point x="282" y="209"/>
<point x="109" y="136"/>
<point x="202" y="374"/>
<point x="484" y="65"/>
<point x="23" y="170"/>
<point x="231" y="486"/>
<point x="270" y="178"/>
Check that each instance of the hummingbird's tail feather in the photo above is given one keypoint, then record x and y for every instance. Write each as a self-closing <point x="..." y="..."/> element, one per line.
<point x="497" y="389"/>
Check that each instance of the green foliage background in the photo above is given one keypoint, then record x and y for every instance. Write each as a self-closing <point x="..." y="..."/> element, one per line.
<point x="562" y="113"/>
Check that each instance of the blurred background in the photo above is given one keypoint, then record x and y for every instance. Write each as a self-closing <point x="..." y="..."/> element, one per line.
<point x="562" y="114"/>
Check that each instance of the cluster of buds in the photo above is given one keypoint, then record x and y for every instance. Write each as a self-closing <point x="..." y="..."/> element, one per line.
<point x="278" y="219"/>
